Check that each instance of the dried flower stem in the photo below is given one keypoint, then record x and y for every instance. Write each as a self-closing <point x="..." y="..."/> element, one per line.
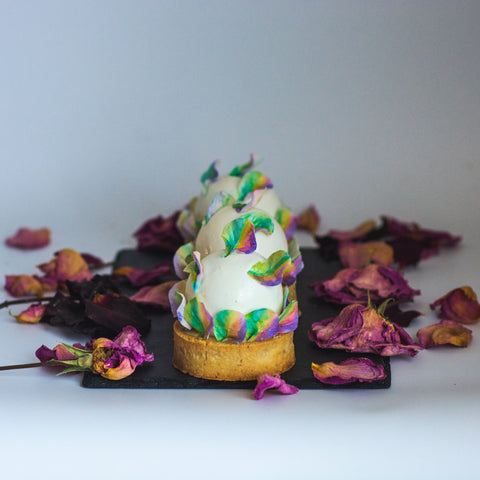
<point x="8" y="303"/>
<point x="22" y="365"/>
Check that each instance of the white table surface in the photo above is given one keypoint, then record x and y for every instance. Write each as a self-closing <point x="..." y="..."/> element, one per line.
<point x="109" y="113"/>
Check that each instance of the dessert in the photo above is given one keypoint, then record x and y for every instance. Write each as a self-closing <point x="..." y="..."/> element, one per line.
<point x="234" y="305"/>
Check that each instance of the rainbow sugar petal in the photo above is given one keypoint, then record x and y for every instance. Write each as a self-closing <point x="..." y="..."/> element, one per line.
<point x="261" y="221"/>
<point x="252" y="181"/>
<point x="249" y="201"/>
<point x="183" y="256"/>
<point x="261" y="324"/>
<point x="288" y="319"/>
<point x="220" y="200"/>
<point x="230" y="324"/>
<point x="239" y="234"/>
<point x="270" y="272"/>
<point x="194" y="268"/>
<point x="180" y="311"/>
<point x="210" y="174"/>
<point x="197" y="316"/>
<point x="240" y="170"/>
<point x="287" y="221"/>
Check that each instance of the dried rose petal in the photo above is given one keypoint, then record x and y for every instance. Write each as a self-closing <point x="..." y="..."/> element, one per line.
<point x="460" y="305"/>
<point x="33" y="314"/>
<point x="29" y="239"/>
<point x="362" y="329"/>
<point x="67" y="265"/>
<point x="445" y="332"/>
<point x="156" y="295"/>
<point x="23" y="285"/>
<point x="359" y="231"/>
<point x="92" y="260"/>
<point x="309" y="220"/>
<point x="400" y="317"/>
<point x="266" y="382"/>
<point x="353" y="285"/>
<point x="358" y="255"/>
<point x="139" y="277"/>
<point x="60" y="352"/>
<point x="412" y="243"/>
<point x="352" y="370"/>
<point x="160" y="233"/>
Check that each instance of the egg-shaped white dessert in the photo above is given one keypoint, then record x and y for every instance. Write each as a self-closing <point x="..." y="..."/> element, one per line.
<point x="224" y="284"/>
<point x="209" y="238"/>
<point x="226" y="184"/>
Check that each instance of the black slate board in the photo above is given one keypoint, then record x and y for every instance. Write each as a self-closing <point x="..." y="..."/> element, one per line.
<point x="161" y="373"/>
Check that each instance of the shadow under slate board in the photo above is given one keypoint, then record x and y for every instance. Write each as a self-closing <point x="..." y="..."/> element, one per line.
<point x="160" y="374"/>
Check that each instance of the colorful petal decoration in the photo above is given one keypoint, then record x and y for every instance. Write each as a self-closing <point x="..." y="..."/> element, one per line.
<point x="251" y="181"/>
<point x="210" y="174"/>
<point x="261" y="221"/>
<point x="460" y="304"/>
<point x="296" y="265"/>
<point x="220" y="200"/>
<point x="230" y="324"/>
<point x="261" y="324"/>
<point x="270" y="272"/>
<point x="183" y="256"/>
<point x="351" y="370"/>
<point x="198" y="317"/>
<point x="445" y="332"/>
<point x="250" y="201"/>
<point x="241" y="170"/>
<point x="239" y="234"/>
<point x="287" y="221"/>
<point x="180" y="311"/>
<point x="194" y="268"/>
<point x="288" y="318"/>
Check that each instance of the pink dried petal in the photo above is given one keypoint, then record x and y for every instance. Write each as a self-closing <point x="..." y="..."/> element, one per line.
<point x="92" y="260"/>
<point x="362" y="329"/>
<point x="352" y="370"/>
<point x="445" y="332"/>
<point x="29" y="239"/>
<point x="23" y="285"/>
<point x="67" y="265"/>
<point x="358" y="255"/>
<point x="359" y="231"/>
<point x="309" y="220"/>
<point x="266" y="382"/>
<point x="156" y="295"/>
<point x="33" y="314"/>
<point x="460" y="305"/>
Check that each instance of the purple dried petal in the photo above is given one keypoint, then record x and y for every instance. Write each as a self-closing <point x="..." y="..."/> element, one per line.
<point x="160" y="233"/>
<point x="266" y="382"/>
<point x="460" y="305"/>
<point x="351" y="370"/>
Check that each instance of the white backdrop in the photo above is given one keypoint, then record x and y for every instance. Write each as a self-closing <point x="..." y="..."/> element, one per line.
<point x="111" y="110"/>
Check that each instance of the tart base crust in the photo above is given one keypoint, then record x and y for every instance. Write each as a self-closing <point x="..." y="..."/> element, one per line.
<point x="229" y="361"/>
